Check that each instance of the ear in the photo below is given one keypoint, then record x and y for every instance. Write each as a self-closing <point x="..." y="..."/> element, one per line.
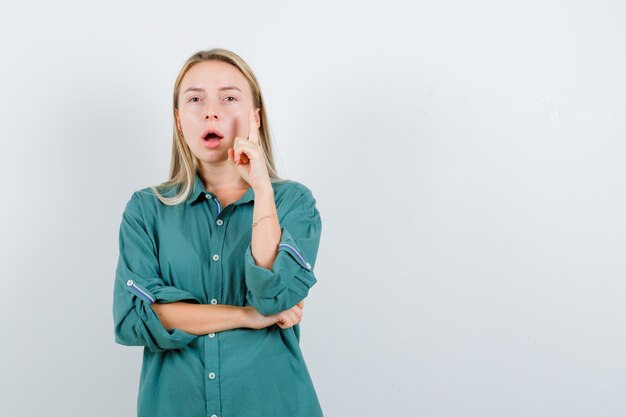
<point x="178" y="126"/>
<point x="257" y="116"/>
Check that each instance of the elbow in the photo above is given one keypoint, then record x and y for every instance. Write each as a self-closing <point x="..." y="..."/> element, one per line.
<point x="126" y="337"/>
<point x="126" y="333"/>
<point x="124" y="340"/>
<point x="264" y="306"/>
<point x="282" y="301"/>
<point x="127" y="323"/>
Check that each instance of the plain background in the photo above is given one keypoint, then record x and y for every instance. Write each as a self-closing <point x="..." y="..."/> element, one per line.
<point x="468" y="163"/>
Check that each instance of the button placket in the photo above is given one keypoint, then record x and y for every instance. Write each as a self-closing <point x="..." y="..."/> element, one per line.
<point x="212" y="367"/>
<point x="211" y="343"/>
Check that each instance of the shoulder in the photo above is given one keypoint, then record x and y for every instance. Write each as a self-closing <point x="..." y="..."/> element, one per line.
<point x="292" y="193"/>
<point x="290" y="186"/>
<point x="145" y="201"/>
<point x="291" y="190"/>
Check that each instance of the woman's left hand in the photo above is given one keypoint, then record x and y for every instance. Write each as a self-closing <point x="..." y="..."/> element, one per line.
<point x="248" y="157"/>
<point x="289" y="318"/>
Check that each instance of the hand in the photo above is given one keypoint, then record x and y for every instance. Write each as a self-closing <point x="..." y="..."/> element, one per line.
<point x="248" y="157"/>
<point x="291" y="317"/>
<point x="284" y="319"/>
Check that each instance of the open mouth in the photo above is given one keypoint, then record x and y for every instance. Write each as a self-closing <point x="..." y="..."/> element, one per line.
<point x="212" y="134"/>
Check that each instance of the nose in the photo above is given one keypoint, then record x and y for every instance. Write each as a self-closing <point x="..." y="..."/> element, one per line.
<point x="211" y="112"/>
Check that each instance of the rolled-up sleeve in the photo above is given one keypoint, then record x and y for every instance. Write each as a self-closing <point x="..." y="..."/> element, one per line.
<point x="138" y="284"/>
<point x="271" y="291"/>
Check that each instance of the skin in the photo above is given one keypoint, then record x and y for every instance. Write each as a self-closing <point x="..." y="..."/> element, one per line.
<point x="228" y="170"/>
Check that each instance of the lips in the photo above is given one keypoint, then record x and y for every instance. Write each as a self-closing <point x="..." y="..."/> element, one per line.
<point x="212" y="133"/>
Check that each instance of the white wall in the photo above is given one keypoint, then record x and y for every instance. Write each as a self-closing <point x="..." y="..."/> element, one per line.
<point x="468" y="162"/>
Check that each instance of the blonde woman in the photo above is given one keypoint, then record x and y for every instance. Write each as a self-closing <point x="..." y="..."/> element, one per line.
<point x="215" y="263"/>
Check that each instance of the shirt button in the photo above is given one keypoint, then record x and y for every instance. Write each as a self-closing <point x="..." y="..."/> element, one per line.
<point x="129" y="282"/>
<point x="219" y="222"/>
<point x="212" y="375"/>
<point x="216" y="257"/>
<point x="308" y="265"/>
<point x="211" y="334"/>
<point x="208" y="196"/>
<point x="214" y="415"/>
<point x="213" y="301"/>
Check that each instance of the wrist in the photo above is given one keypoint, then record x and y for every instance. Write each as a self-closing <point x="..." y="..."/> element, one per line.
<point x="243" y="316"/>
<point x="264" y="187"/>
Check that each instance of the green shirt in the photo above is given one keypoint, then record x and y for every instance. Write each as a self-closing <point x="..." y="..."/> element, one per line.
<point x="199" y="252"/>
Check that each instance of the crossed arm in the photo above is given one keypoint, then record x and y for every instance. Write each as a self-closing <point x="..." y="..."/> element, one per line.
<point x="201" y="319"/>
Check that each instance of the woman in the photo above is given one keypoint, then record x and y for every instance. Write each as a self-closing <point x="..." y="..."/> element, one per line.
<point x="214" y="264"/>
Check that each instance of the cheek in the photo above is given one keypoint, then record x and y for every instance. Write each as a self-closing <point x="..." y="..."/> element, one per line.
<point x="236" y="120"/>
<point x="233" y="125"/>
<point x="237" y="123"/>
<point x="187" y="117"/>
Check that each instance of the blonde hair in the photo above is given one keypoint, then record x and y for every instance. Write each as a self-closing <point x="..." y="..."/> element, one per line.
<point x="184" y="164"/>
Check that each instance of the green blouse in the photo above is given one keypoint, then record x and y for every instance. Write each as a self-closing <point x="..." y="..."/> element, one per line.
<point x="199" y="252"/>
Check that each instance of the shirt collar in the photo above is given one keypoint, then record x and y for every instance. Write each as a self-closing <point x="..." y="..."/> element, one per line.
<point x="199" y="191"/>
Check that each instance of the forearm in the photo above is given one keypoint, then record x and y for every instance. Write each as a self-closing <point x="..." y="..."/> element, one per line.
<point x="200" y="319"/>
<point x="266" y="234"/>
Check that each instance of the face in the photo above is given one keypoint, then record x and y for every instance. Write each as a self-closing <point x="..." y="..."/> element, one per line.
<point x="214" y="95"/>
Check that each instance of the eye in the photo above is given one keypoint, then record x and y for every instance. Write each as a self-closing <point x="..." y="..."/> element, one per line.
<point x="191" y="99"/>
<point x="233" y="98"/>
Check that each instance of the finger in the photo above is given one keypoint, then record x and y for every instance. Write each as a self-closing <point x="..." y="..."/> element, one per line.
<point x="241" y="156"/>
<point x="294" y="317"/>
<point x="242" y="144"/>
<point x="243" y="159"/>
<point x="253" y="136"/>
<point x="287" y="319"/>
<point x="236" y="150"/>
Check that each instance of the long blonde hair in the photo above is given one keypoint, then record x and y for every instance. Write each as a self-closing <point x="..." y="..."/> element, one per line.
<point x="184" y="163"/>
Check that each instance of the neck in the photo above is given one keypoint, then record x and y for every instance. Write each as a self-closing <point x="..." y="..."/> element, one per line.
<point x="220" y="176"/>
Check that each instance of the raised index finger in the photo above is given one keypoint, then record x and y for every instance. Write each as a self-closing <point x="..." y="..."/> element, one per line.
<point x="253" y="136"/>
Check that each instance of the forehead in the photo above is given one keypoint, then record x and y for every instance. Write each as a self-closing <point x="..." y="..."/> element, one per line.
<point x="211" y="75"/>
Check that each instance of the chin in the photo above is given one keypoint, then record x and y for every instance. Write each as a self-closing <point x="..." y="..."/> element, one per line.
<point x="214" y="156"/>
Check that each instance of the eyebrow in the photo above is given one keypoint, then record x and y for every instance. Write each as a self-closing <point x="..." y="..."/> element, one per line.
<point x="228" y="87"/>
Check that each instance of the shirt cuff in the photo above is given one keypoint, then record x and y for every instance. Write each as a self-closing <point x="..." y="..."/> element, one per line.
<point x="277" y="289"/>
<point x="147" y="329"/>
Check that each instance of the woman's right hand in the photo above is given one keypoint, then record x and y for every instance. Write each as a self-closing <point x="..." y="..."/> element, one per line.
<point x="284" y="319"/>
